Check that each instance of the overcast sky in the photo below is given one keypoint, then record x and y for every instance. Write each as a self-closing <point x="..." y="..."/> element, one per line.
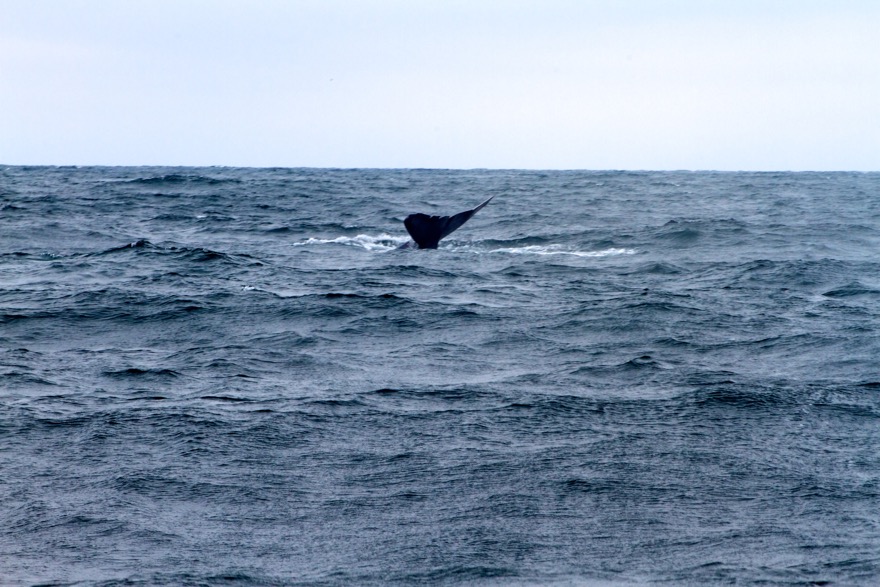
<point x="554" y="84"/>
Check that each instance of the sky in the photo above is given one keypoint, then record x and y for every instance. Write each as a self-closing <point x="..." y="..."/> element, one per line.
<point x="541" y="84"/>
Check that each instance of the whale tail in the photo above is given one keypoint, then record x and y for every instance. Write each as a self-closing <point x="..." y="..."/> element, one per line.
<point x="428" y="230"/>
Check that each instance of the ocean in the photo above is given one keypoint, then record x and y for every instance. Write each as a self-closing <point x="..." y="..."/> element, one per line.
<point x="224" y="376"/>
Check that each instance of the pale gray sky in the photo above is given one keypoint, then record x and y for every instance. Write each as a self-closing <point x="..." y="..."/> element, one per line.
<point x="573" y="84"/>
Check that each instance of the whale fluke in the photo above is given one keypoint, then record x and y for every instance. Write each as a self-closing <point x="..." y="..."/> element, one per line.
<point x="428" y="230"/>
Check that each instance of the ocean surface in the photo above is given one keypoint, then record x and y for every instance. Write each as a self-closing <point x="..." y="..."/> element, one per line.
<point x="222" y="376"/>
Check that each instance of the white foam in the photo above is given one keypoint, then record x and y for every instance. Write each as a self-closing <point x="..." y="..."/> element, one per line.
<point x="388" y="242"/>
<point x="382" y="242"/>
<point x="559" y="250"/>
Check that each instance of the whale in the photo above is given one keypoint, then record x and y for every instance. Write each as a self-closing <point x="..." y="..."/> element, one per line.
<point x="426" y="231"/>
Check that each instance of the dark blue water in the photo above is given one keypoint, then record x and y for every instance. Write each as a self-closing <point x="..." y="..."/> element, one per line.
<point x="214" y="376"/>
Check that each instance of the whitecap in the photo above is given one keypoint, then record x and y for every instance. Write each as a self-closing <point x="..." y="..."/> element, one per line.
<point x="382" y="242"/>
<point x="560" y="250"/>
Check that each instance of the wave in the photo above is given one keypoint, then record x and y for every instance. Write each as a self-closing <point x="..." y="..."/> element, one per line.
<point x="180" y="178"/>
<point x="382" y="242"/>
<point x="196" y="254"/>
<point x="139" y="244"/>
<point x="139" y="372"/>
<point x="387" y="242"/>
<point x="561" y="250"/>
<point x="384" y="296"/>
<point x="111" y="304"/>
<point x="852" y="289"/>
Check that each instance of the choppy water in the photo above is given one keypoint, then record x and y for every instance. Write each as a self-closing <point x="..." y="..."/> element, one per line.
<point x="232" y="376"/>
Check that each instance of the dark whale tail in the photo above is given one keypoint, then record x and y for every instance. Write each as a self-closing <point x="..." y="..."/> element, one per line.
<point x="428" y="230"/>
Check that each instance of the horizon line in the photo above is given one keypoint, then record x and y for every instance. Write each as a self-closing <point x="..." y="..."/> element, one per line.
<point x="430" y="168"/>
